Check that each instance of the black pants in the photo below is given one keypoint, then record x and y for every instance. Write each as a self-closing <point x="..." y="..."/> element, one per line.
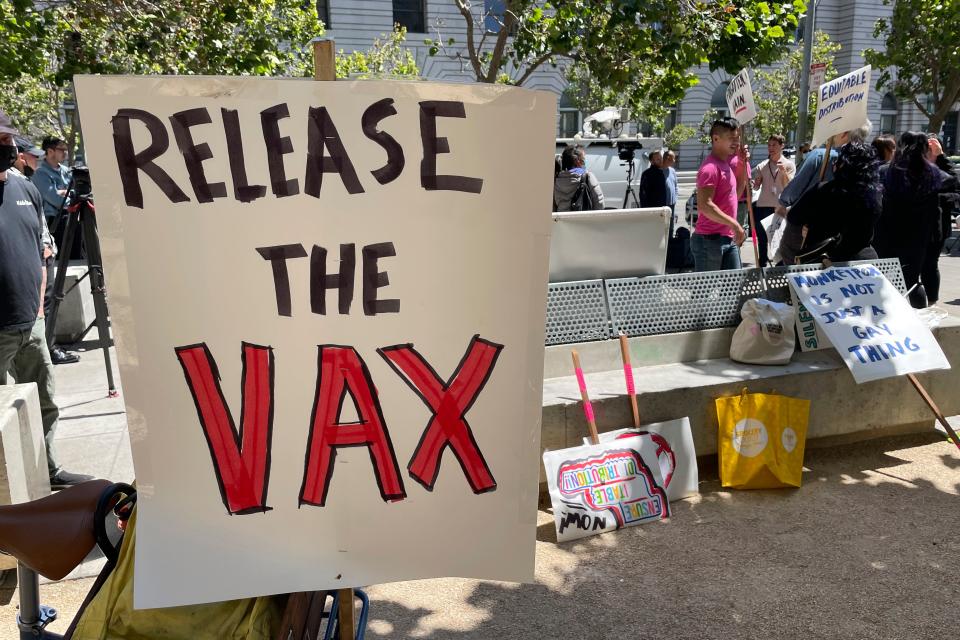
<point x="48" y="295"/>
<point x="760" y="214"/>
<point x="921" y="273"/>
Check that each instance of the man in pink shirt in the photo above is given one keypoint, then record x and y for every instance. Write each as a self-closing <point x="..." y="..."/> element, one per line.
<point x="716" y="240"/>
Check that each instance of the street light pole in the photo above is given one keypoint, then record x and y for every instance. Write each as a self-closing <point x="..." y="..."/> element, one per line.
<point x="809" y="25"/>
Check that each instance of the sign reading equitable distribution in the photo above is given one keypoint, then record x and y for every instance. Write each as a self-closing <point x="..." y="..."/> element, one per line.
<point x="841" y="105"/>
<point x="328" y="303"/>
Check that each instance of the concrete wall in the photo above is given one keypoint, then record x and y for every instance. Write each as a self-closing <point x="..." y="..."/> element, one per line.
<point x="839" y="406"/>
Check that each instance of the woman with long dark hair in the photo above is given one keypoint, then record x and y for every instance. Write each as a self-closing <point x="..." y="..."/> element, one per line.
<point x="909" y="226"/>
<point x="840" y="215"/>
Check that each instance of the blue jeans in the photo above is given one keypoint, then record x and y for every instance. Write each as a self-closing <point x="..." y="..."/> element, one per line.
<point x="714" y="252"/>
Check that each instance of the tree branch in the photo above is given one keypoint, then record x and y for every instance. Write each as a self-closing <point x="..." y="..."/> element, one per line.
<point x="464" y="8"/>
<point x="922" y="108"/>
<point x="532" y="66"/>
<point x="509" y="20"/>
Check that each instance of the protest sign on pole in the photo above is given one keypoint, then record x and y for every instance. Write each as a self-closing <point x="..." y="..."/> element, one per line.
<point x="740" y="98"/>
<point x="382" y="282"/>
<point x="841" y="105"/>
<point x="874" y="329"/>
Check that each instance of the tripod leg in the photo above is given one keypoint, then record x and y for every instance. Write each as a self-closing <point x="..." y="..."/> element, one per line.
<point x="98" y="289"/>
<point x="63" y="260"/>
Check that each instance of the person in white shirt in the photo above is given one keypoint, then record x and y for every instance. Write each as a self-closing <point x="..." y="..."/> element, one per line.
<point x="770" y="176"/>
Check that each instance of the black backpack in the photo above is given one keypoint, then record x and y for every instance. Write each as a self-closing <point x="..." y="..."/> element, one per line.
<point x="679" y="255"/>
<point x="581" y="199"/>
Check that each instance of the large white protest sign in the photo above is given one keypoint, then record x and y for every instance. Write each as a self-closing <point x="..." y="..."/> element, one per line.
<point x="328" y="301"/>
<point x="841" y="105"/>
<point x="810" y="338"/>
<point x="874" y="329"/>
<point x="740" y="98"/>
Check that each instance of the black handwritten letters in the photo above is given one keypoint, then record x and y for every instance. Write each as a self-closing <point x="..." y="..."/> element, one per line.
<point x="324" y="151"/>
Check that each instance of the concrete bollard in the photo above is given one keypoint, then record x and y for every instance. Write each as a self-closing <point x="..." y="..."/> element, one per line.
<point x="23" y="472"/>
<point x="76" y="312"/>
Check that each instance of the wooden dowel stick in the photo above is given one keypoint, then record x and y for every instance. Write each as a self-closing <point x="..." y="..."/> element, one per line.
<point x="826" y="158"/>
<point x="325" y="68"/>
<point x="749" y="193"/>
<point x="587" y="407"/>
<point x="933" y="407"/>
<point x="628" y="375"/>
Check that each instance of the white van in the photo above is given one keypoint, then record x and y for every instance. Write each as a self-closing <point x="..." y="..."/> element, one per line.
<point x="603" y="161"/>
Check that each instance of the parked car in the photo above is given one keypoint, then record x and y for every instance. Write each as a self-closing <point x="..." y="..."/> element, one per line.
<point x="603" y="161"/>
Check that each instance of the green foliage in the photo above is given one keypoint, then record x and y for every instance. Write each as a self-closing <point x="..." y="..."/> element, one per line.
<point x="777" y="92"/>
<point x="922" y="55"/>
<point x="678" y="135"/>
<point x="387" y="57"/>
<point x="705" y="124"/>
<point x="638" y="48"/>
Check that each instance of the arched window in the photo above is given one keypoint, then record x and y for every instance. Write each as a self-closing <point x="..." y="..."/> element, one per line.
<point x="888" y="114"/>
<point x="718" y="100"/>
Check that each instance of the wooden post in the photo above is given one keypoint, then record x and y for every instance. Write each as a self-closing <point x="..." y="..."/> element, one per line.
<point x="826" y="158"/>
<point x="587" y="407"/>
<point x="933" y="407"/>
<point x="324" y="60"/>
<point x="628" y="374"/>
<point x="325" y="68"/>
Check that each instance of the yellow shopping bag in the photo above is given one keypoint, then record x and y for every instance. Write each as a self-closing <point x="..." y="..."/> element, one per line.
<point x="761" y="440"/>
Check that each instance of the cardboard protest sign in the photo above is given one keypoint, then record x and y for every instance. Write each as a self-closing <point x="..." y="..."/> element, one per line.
<point x="818" y="73"/>
<point x="740" y="98"/>
<point x="607" y="486"/>
<point x="379" y="266"/>
<point x="841" y="105"/>
<point x="874" y="329"/>
<point x="678" y="467"/>
<point x="810" y="338"/>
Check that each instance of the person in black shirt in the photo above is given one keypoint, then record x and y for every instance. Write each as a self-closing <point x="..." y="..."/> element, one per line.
<point x="653" y="183"/>
<point x="23" y="345"/>
<point x="840" y="215"/>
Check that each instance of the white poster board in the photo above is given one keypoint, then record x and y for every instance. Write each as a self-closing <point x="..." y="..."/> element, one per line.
<point x="808" y="335"/>
<point x="604" y="487"/>
<point x="380" y="267"/>
<point x="841" y="105"/>
<point x="874" y="329"/>
<point x="676" y="454"/>
<point x="740" y="98"/>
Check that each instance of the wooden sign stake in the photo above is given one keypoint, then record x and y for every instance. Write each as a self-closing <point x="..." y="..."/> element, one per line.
<point x="933" y="407"/>
<point x="826" y="158"/>
<point x="628" y="374"/>
<point x="325" y="68"/>
<point x="587" y="407"/>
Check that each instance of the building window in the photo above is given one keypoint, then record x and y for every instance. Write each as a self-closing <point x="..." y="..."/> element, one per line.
<point x="410" y="14"/>
<point x="673" y="117"/>
<point x="718" y="101"/>
<point x="323" y="12"/>
<point x="888" y="114"/>
<point x="570" y="120"/>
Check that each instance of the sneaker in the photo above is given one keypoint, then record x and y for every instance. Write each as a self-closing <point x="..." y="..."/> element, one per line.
<point x="64" y="479"/>
<point x="59" y="356"/>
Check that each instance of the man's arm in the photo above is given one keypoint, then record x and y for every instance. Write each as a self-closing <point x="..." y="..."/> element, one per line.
<point x="707" y="207"/>
<point x="808" y="172"/>
<point x="51" y="192"/>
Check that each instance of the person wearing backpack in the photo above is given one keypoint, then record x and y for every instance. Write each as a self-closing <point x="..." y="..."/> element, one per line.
<point x="575" y="188"/>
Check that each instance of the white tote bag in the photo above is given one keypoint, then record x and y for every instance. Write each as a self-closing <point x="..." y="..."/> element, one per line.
<point x="765" y="335"/>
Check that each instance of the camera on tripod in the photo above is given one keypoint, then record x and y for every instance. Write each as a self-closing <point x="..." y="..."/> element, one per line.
<point x="627" y="149"/>
<point x="82" y="187"/>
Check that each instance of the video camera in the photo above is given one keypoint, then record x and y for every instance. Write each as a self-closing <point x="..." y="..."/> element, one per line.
<point x="82" y="187"/>
<point x="627" y="149"/>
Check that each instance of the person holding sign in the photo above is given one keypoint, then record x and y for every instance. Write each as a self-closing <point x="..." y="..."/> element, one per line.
<point x="910" y="225"/>
<point x="718" y="235"/>
<point x="840" y="214"/>
<point x="808" y="176"/>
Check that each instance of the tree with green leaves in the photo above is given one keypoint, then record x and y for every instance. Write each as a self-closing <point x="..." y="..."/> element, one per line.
<point x="922" y="55"/>
<point x="639" y="47"/>
<point x="678" y="135"/>
<point x="777" y="92"/>
<point x="387" y="57"/>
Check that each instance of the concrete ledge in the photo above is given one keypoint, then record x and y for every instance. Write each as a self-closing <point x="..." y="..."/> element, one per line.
<point x="23" y="472"/>
<point x="76" y="312"/>
<point x="839" y="406"/>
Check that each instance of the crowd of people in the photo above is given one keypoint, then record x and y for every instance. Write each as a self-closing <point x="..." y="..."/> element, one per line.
<point x="886" y="199"/>
<point x="33" y="191"/>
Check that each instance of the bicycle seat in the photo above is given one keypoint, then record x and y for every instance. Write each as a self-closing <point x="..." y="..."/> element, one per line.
<point x="52" y="535"/>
